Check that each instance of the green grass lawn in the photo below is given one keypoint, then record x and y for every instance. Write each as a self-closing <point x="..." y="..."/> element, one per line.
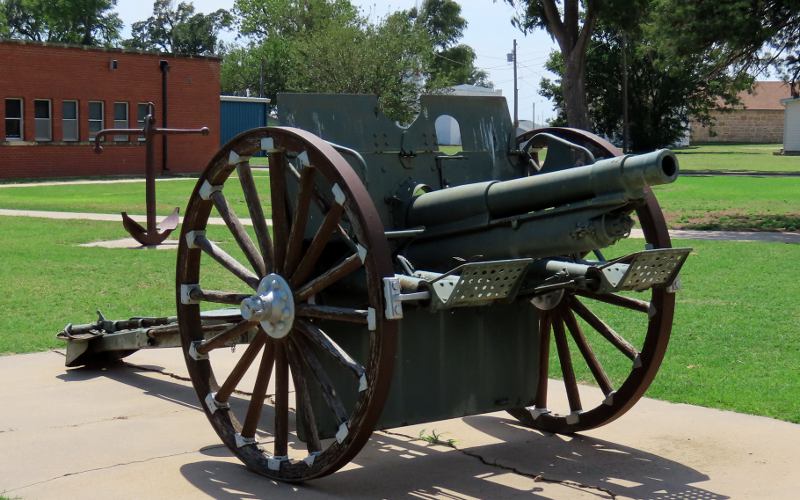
<point x="732" y="203"/>
<point x="735" y="342"/>
<point x="718" y="202"/>
<point x="120" y="196"/>
<point x="745" y="157"/>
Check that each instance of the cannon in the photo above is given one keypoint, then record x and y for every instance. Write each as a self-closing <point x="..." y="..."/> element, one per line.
<point x="377" y="281"/>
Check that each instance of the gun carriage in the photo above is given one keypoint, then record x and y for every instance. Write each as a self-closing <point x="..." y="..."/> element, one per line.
<point x="378" y="282"/>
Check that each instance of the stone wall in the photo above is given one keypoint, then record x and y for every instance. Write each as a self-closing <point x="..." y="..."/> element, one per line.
<point x="747" y="125"/>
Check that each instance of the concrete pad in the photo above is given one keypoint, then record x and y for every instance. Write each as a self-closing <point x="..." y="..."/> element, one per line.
<point x="131" y="244"/>
<point x="136" y="431"/>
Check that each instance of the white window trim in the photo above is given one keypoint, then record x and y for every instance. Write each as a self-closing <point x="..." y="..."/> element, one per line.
<point x="49" y="119"/>
<point x="77" y="121"/>
<point x="122" y="138"/>
<point x="21" y="119"/>
<point x="102" y="119"/>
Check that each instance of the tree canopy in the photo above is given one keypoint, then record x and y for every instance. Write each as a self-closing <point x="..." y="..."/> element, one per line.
<point x="177" y="29"/>
<point x="328" y="46"/>
<point x="85" y="22"/>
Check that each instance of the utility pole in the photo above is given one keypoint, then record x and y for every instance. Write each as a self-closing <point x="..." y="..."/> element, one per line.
<point x="625" y="125"/>
<point x="512" y="57"/>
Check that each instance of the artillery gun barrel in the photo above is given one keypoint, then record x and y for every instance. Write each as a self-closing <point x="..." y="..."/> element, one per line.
<point x="628" y="175"/>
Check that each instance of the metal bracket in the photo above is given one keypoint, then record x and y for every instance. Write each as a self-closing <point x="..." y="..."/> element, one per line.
<point x="235" y="159"/>
<point x="213" y="405"/>
<point x="186" y="294"/>
<point x="341" y="434"/>
<point x="274" y="463"/>
<point x="242" y="441"/>
<point x="391" y="295"/>
<point x="191" y="238"/>
<point x="538" y="412"/>
<point x="193" y="351"/>
<point x="309" y="460"/>
<point x="207" y="190"/>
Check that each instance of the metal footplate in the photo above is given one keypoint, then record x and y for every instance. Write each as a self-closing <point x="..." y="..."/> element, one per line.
<point x="643" y="270"/>
<point x="478" y="283"/>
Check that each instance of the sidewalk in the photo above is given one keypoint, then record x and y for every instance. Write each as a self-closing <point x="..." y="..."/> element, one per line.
<point x="135" y="431"/>
<point x="636" y="233"/>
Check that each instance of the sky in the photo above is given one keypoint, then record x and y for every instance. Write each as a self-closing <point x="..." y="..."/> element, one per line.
<point x="489" y="33"/>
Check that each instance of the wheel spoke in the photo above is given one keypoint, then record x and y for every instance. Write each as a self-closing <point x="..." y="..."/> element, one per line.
<point x="300" y="219"/>
<point x="321" y="239"/>
<point x="240" y="369"/>
<point x="328" y="345"/>
<point x="326" y="386"/>
<point x="217" y="296"/>
<point x="225" y="260"/>
<point x="588" y="355"/>
<point x="221" y="339"/>
<point x="305" y="408"/>
<point x="565" y="360"/>
<point x="259" y="392"/>
<point x="281" y="401"/>
<point x="329" y="277"/>
<point x="603" y="329"/>
<point x="239" y="232"/>
<point x="544" y="360"/>
<point x="331" y="313"/>
<point x="256" y="213"/>
<point x="618" y="300"/>
<point x="280" y="221"/>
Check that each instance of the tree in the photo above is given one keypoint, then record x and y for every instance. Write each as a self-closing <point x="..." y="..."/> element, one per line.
<point x="572" y="32"/>
<point x="264" y="19"/>
<point x="327" y="46"/>
<point x="665" y="88"/>
<point x="453" y="63"/>
<point x="179" y="30"/>
<point x="85" y="22"/>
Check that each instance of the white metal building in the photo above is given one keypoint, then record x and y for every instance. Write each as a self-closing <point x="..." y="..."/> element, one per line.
<point x="791" y="127"/>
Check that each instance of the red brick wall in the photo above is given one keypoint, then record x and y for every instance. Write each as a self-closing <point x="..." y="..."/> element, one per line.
<point x="38" y="71"/>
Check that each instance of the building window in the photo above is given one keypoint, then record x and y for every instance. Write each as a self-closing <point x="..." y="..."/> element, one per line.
<point x="95" y="118"/>
<point x="42" y="121"/>
<point x="141" y="114"/>
<point x="121" y="119"/>
<point x="69" y="121"/>
<point x="14" y="120"/>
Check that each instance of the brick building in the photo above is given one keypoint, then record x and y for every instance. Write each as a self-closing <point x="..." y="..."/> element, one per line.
<point x="53" y="98"/>
<point x="758" y="119"/>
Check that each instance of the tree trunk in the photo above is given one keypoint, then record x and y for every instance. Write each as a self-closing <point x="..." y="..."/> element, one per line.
<point x="573" y="87"/>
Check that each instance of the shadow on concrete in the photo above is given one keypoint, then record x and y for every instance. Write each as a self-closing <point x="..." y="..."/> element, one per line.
<point x="408" y="467"/>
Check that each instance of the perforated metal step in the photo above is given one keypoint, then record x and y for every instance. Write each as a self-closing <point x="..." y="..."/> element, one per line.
<point x="479" y="283"/>
<point x="646" y="269"/>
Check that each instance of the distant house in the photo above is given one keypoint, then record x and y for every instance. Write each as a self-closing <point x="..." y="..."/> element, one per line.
<point x="791" y="131"/>
<point x="758" y="119"/>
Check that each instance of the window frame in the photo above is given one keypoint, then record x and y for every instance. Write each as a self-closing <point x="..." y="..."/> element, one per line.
<point x="122" y="123"/>
<point x="76" y="120"/>
<point x="37" y="120"/>
<point x="140" y="123"/>
<point x="21" y="119"/>
<point x="95" y="120"/>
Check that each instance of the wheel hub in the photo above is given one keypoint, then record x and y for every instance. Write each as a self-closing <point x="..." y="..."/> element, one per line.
<point x="272" y="306"/>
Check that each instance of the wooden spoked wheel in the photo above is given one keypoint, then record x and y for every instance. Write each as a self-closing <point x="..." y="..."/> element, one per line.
<point x="580" y="331"/>
<point x="323" y="230"/>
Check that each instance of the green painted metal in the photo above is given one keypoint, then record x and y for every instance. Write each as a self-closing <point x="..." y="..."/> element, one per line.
<point x="449" y="364"/>
<point x="489" y="200"/>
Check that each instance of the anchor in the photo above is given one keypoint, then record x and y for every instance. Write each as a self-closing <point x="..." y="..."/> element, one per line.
<point x="154" y="234"/>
